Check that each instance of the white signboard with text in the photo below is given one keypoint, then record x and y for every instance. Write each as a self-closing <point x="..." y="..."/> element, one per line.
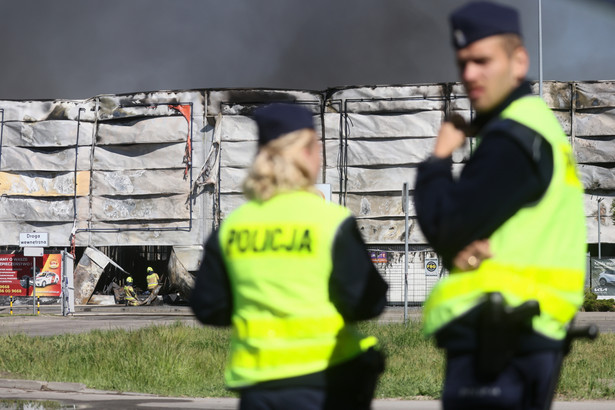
<point x="34" y="239"/>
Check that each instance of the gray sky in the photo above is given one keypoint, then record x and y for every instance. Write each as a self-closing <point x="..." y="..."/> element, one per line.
<point x="81" y="48"/>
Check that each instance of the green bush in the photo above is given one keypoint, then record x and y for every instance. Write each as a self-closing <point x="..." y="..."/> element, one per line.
<point x="591" y="303"/>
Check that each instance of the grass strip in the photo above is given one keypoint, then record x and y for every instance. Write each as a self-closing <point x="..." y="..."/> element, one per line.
<point x="182" y="360"/>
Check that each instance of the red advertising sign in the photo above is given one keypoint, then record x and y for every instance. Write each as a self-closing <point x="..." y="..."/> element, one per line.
<point x="16" y="275"/>
<point x="379" y="257"/>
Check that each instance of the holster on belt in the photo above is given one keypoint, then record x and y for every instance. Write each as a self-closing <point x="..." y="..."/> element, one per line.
<point x="499" y="330"/>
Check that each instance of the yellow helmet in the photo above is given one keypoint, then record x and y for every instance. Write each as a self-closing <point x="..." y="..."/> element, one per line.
<point x="129" y="280"/>
<point x="149" y="269"/>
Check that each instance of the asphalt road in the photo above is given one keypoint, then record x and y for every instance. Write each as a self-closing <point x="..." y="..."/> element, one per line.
<point x="87" y="318"/>
<point x="76" y="396"/>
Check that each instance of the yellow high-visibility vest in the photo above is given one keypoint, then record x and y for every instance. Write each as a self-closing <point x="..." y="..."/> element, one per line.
<point x="539" y="253"/>
<point x="278" y="256"/>
<point x="129" y="293"/>
<point x="152" y="280"/>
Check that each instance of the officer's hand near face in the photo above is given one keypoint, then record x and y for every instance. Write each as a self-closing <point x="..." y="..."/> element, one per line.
<point x="449" y="139"/>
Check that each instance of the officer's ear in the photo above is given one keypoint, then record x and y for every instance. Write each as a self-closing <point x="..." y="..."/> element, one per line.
<point x="520" y="61"/>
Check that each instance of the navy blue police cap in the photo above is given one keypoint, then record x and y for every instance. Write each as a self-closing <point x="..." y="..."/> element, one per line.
<point x="275" y="120"/>
<point x="481" y="19"/>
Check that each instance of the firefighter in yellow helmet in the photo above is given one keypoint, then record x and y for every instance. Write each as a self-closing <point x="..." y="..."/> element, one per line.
<point x="129" y="292"/>
<point x="152" y="279"/>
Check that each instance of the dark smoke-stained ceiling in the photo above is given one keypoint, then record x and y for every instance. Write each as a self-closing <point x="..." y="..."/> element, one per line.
<point x="78" y="49"/>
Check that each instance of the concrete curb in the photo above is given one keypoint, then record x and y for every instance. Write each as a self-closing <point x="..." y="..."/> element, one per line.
<point x="64" y="387"/>
<point x="21" y="384"/>
<point x="40" y="385"/>
<point x="76" y="393"/>
<point x="61" y="386"/>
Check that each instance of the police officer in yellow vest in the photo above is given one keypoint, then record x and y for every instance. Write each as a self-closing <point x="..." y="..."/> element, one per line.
<point x="290" y="273"/>
<point x="511" y="226"/>
<point x="152" y="279"/>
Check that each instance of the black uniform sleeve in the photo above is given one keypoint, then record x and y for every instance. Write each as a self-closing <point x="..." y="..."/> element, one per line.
<point x="357" y="289"/>
<point x="511" y="168"/>
<point x="211" y="299"/>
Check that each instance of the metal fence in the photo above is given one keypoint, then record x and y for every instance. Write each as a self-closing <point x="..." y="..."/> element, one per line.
<point x="390" y="263"/>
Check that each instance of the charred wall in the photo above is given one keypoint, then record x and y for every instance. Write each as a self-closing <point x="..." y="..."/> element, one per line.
<point x="133" y="170"/>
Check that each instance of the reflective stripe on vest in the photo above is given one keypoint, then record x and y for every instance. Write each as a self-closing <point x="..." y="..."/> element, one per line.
<point x="464" y="290"/>
<point x="278" y="259"/>
<point x="128" y="291"/>
<point x="539" y="253"/>
<point x="308" y="345"/>
<point x="152" y="280"/>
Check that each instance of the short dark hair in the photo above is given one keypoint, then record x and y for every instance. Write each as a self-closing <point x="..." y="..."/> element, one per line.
<point x="511" y="42"/>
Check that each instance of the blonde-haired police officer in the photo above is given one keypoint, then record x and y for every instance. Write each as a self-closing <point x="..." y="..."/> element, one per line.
<point x="290" y="273"/>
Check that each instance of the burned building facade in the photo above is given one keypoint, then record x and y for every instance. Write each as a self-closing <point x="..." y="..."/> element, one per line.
<point x="143" y="178"/>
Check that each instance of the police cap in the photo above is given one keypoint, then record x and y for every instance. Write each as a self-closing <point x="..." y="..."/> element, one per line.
<point x="481" y="19"/>
<point x="275" y="120"/>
